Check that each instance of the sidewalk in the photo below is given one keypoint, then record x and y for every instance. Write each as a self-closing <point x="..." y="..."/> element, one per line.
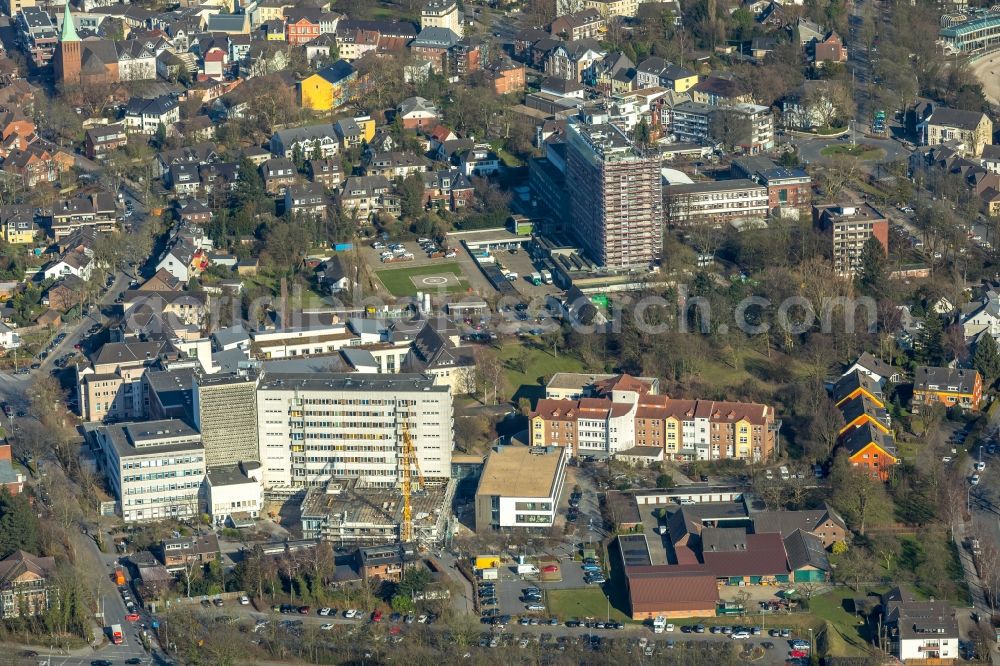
<point x="979" y="604"/>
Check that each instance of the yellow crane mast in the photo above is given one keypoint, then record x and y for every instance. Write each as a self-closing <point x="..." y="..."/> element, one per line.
<point x="409" y="460"/>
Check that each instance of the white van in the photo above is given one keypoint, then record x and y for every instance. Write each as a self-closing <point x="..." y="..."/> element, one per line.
<point x="784" y="473"/>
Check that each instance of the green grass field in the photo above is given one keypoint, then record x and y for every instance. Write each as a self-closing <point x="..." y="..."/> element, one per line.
<point x="861" y="151"/>
<point x="581" y="603"/>
<point x="397" y="280"/>
<point x="844" y="636"/>
<point x="537" y="363"/>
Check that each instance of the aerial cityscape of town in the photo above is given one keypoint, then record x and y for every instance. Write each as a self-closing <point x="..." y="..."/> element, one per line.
<point x="541" y="332"/>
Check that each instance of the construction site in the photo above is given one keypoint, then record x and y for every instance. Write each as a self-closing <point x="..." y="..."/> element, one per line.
<point x="347" y="513"/>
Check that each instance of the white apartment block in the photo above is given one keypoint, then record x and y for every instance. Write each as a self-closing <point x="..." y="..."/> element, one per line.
<point x="717" y="203"/>
<point x="155" y="469"/>
<point x="320" y="426"/>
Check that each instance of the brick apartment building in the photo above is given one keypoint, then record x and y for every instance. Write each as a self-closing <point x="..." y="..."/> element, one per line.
<point x="789" y="190"/>
<point x="849" y="226"/>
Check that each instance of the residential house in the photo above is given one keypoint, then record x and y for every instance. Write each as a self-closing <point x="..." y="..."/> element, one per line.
<point x="78" y="264"/>
<point x="480" y="160"/>
<point x="27" y="586"/>
<point x="970" y="130"/>
<point x="585" y="24"/>
<point x="330" y="88"/>
<point x="145" y="116"/>
<point x="307" y="199"/>
<point x="355" y="131"/>
<point x="991" y="158"/>
<point x="18" y="224"/>
<point x="178" y="308"/>
<point x="721" y="91"/>
<point x="327" y="173"/>
<point x="432" y="45"/>
<point x="34" y="165"/>
<point x="951" y="387"/>
<point x="200" y="153"/>
<point x="65" y="294"/>
<point x="569" y="60"/>
<point x="180" y="261"/>
<point x="876" y="368"/>
<point x="825" y="523"/>
<point x="162" y="281"/>
<point x="830" y="49"/>
<point x="102" y="140"/>
<point x="657" y="72"/>
<point x="311" y="141"/>
<point x="508" y="77"/>
<point x="334" y="276"/>
<point x="449" y="188"/>
<point x="179" y="553"/>
<point x="417" y="113"/>
<point x="363" y="196"/>
<point x="394" y="164"/>
<point x="857" y="384"/>
<point x="920" y="631"/>
<point x="615" y="73"/>
<point x="302" y="24"/>
<point x="218" y="176"/>
<point x="183" y="178"/>
<point x="278" y="174"/>
<point x="870" y="447"/>
<point x="98" y="210"/>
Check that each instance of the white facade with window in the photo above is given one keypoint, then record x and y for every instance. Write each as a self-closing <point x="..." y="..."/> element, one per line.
<point x="319" y="426"/>
<point x="155" y="469"/>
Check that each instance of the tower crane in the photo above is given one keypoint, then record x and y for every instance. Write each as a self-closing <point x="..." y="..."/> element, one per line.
<point x="409" y="460"/>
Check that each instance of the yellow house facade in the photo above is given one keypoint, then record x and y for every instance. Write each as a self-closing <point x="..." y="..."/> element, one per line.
<point x="327" y="89"/>
<point x="684" y="84"/>
<point x="19" y="232"/>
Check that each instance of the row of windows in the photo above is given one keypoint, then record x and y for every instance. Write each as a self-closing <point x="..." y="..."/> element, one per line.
<point x="162" y="488"/>
<point x="533" y="506"/>
<point x="130" y="478"/>
<point x="138" y="501"/>
<point x="539" y="519"/>
<point x="162" y="462"/>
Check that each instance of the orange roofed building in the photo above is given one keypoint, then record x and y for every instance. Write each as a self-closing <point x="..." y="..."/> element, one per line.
<point x="867" y="446"/>
<point x="627" y="413"/>
<point x="950" y="387"/>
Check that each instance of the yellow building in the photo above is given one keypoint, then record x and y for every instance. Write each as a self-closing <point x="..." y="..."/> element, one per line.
<point x="329" y="88"/>
<point x="609" y="8"/>
<point x="19" y="226"/>
<point x="269" y="11"/>
<point x="684" y="83"/>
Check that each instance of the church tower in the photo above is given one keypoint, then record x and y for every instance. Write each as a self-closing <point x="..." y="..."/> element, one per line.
<point x="68" y="65"/>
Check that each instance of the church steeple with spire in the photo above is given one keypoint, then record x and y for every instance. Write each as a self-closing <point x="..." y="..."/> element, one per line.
<point x="68" y="64"/>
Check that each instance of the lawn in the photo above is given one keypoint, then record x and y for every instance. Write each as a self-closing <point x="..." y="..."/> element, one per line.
<point x="537" y="363"/>
<point x="397" y="280"/>
<point x="583" y="602"/>
<point x="845" y="637"/>
<point x="861" y="151"/>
